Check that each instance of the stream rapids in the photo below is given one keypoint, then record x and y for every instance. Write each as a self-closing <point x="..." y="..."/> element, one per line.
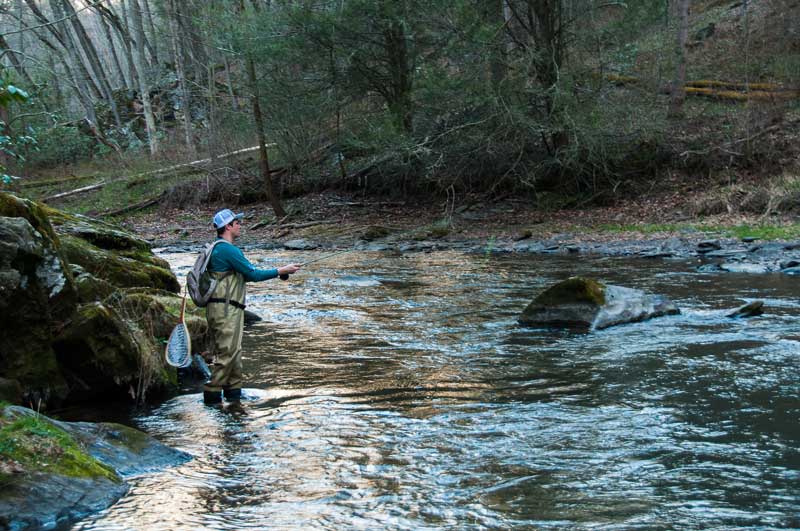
<point x="396" y="391"/>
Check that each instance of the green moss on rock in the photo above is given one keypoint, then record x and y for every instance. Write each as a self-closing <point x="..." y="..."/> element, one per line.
<point x="120" y="270"/>
<point x="34" y="444"/>
<point x="573" y="290"/>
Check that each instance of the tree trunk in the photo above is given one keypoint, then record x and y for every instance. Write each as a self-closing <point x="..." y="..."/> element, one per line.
<point x="90" y="52"/>
<point x="5" y="158"/>
<point x="154" y="36"/>
<point x="679" y="84"/>
<point x="16" y="63"/>
<point x="177" y="50"/>
<point x="496" y="17"/>
<point x="114" y="56"/>
<point x="263" y="157"/>
<point x="82" y="81"/>
<point x="399" y="94"/>
<point x="229" y="81"/>
<point x="144" y="87"/>
<point x="86" y="83"/>
<point x="124" y="31"/>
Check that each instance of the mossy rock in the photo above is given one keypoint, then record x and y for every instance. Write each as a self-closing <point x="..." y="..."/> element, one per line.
<point x="98" y="233"/>
<point x="583" y="303"/>
<point x="53" y="473"/>
<point x="375" y="232"/>
<point x="575" y="290"/>
<point x="33" y="442"/>
<point x="108" y="352"/>
<point x="89" y="287"/>
<point x="37" y="294"/>
<point x="118" y="268"/>
<point x="159" y="312"/>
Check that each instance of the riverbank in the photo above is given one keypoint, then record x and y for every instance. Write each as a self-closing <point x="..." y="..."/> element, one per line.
<point x="657" y="227"/>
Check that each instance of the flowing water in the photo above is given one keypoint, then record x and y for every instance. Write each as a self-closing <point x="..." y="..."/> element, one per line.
<point x="397" y="392"/>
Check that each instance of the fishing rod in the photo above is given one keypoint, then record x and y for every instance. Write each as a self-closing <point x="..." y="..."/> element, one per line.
<point x="321" y="258"/>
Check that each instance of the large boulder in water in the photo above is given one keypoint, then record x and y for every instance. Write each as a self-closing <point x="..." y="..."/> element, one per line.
<point x="81" y="310"/>
<point x="584" y="303"/>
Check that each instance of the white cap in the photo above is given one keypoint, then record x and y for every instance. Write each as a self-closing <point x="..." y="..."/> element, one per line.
<point x="223" y="217"/>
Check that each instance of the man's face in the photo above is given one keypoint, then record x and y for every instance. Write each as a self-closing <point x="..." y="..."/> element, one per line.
<point x="235" y="228"/>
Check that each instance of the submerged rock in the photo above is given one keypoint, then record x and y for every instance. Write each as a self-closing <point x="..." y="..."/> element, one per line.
<point x="584" y="303"/>
<point x="54" y="472"/>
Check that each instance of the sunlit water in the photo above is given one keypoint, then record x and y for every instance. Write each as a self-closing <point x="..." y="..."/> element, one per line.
<point x="398" y="392"/>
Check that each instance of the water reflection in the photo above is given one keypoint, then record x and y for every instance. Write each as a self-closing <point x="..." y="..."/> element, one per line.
<point x="398" y="393"/>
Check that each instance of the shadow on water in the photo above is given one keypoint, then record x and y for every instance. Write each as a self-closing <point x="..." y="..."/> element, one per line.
<point x="402" y="395"/>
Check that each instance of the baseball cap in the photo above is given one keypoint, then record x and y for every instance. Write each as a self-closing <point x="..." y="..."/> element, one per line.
<point x="223" y="217"/>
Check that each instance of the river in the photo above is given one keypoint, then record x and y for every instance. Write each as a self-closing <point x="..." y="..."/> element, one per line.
<point x="390" y="391"/>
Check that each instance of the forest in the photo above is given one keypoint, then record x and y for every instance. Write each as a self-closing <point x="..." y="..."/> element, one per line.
<point x="562" y="102"/>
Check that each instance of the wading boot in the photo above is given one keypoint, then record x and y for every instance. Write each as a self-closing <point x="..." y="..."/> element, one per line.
<point x="233" y="395"/>
<point x="212" y="397"/>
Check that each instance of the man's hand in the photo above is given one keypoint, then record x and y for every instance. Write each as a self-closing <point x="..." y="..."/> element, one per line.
<point x="288" y="269"/>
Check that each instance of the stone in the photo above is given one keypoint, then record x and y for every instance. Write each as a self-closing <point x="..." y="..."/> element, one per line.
<point x="744" y="267"/>
<point x="709" y="268"/>
<point x="657" y="254"/>
<point x="751" y="309"/>
<point x="251" y="317"/>
<point x="727" y="253"/>
<point x="300" y="245"/>
<point x="77" y="469"/>
<point x="582" y="303"/>
<point x="709" y="245"/>
<point x="37" y="294"/>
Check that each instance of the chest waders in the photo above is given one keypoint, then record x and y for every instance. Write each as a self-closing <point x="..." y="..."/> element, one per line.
<point x="225" y="316"/>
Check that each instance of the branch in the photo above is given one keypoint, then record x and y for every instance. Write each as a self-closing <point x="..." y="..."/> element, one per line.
<point x="73" y="15"/>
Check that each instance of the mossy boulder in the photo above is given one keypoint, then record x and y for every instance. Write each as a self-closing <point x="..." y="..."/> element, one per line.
<point x="70" y="330"/>
<point x="89" y="287"/>
<point x="109" y="253"/>
<point x="104" y="350"/>
<point x="37" y="295"/>
<point x="120" y="268"/>
<point x="53" y="473"/>
<point x="584" y="303"/>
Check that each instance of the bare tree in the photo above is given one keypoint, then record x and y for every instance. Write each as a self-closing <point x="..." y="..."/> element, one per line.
<point x="113" y="49"/>
<point x="174" y="15"/>
<point x="263" y="157"/>
<point x="90" y="52"/>
<point x="141" y="72"/>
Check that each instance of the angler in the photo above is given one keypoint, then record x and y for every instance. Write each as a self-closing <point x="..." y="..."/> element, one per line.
<point x="225" y="308"/>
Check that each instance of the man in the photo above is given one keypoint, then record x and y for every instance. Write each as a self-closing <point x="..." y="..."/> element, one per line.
<point x="225" y="310"/>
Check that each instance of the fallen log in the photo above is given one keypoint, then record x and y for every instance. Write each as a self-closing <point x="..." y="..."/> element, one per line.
<point x="75" y="191"/>
<point x="132" y="208"/>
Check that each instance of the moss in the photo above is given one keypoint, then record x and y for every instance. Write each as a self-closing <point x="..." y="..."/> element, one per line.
<point x="15" y="207"/>
<point x="375" y="232"/>
<point x="116" y="268"/>
<point x="574" y="290"/>
<point x="37" y="445"/>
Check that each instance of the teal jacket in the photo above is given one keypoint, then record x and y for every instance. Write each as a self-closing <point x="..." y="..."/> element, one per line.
<point x="227" y="257"/>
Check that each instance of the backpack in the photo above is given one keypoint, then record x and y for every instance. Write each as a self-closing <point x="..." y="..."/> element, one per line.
<point x="199" y="282"/>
